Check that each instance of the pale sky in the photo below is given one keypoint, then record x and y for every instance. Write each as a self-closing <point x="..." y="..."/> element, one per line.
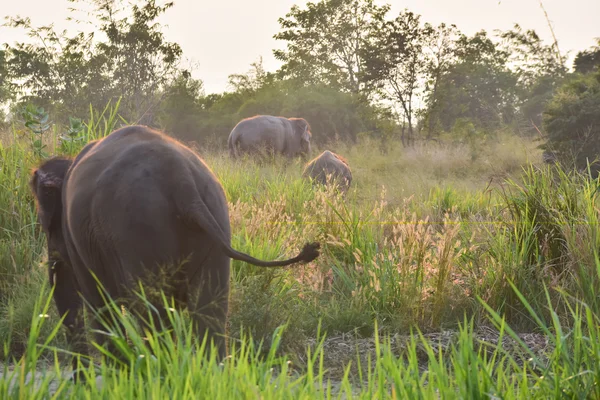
<point x="224" y="36"/>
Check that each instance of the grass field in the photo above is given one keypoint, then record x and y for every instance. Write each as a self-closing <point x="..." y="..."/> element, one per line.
<point x="453" y="271"/>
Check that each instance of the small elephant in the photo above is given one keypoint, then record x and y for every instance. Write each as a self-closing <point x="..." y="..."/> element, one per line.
<point x="127" y="206"/>
<point x="549" y="157"/>
<point x="275" y="135"/>
<point x="329" y="163"/>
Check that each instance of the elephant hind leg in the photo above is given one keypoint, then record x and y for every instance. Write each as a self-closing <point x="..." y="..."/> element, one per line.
<point x="106" y="324"/>
<point x="209" y="318"/>
<point x="209" y="306"/>
<point x="175" y="288"/>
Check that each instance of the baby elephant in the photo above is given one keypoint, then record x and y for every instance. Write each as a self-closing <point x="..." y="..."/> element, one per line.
<point x="329" y="163"/>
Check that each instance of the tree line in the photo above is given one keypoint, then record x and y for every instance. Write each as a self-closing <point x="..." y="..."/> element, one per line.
<point x="349" y="67"/>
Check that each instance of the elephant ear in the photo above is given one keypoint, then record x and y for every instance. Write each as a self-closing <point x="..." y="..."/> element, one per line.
<point x="47" y="189"/>
<point x="303" y="129"/>
<point x="306" y="134"/>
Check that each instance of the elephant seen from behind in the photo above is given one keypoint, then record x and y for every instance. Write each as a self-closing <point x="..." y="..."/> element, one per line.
<point x="332" y="166"/>
<point x="126" y="206"/>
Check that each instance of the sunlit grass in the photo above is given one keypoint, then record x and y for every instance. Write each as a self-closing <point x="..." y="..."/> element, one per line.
<point x="179" y="365"/>
<point x="425" y="238"/>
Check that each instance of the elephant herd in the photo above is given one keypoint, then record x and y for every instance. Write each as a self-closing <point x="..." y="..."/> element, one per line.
<point x="289" y="137"/>
<point x="138" y="203"/>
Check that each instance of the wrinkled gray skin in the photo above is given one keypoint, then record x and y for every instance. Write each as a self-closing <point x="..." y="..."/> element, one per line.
<point x="268" y="134"/>
<point x="329" y="163"/>
<point x="127" y="204"/>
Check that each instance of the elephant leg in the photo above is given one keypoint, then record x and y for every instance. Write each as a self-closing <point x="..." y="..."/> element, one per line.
<point x="69" y="304"/>
<point x="176" y="293"/>
<point x="210" y="307"/>
<point x="105" y="319"/>
<point x="92" y="295"/>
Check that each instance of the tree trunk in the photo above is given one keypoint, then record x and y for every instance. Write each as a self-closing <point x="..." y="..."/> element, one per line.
<point x="403" y="135"/>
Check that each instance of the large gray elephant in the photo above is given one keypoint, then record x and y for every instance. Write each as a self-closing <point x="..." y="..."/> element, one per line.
<point x="268" y="134"/>
<point x="128" y="205"/>
<point x="329" y="164"/>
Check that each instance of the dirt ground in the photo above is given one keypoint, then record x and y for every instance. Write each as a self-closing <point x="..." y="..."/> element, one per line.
<point x="340" y="350"/>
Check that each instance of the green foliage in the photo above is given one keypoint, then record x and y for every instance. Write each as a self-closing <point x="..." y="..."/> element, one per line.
<point x="348" y="68"/>
<point x="533" y="58"/>
<point x="397" y="62"/>
<point x="21" y="243"/>
<point x="539" y="68"/>
<point x="419" y="263"/>
<point x="476" y="87"/>
<point x="65" y="74"/>
<point x="98" y="125"/>
<point x="36" y="121"/>
<point x="253" y="80"/>
<point x="180" y="113"/>
<point x="544" y="204"/>
<point x="174" y="365"/>
<point x="416" y="242"/>
<point x="572" y="122"/>
<point x="587" y="61"/>
<point x="529" y="248"/>
<point x="333" y="115"/>
<point x="326" y="42"/>
<point x="73" y="137"/>
<point x="5" y="85"/>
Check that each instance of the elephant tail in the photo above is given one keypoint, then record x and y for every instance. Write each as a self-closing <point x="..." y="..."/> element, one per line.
<point x="197" y="212"/>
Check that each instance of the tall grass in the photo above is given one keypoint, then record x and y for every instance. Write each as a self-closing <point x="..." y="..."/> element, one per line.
<point x="176" y="365"/>
<point x="422" y="236"/>
<point x="22" y="244"/>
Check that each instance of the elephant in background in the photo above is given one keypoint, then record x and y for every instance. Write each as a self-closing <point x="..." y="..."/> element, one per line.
<point x="549" y="157"/>
<point x="329" y="163"/>
<point x="276" y="135"/>
<point x="128" y="207"/>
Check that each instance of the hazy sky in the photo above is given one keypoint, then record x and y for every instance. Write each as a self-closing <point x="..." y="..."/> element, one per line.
<point x="224" y="36"/>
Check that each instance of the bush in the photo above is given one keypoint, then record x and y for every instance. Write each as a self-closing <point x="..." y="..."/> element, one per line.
<point x="572" y="122"/>
<point x="332" y="114"/>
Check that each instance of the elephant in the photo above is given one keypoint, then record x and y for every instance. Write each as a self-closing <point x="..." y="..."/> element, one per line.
<point x="329" y="163"/>
<point x="549" y="157"/>
<point x="126" y="206"/>
<point x="277" y="135"/>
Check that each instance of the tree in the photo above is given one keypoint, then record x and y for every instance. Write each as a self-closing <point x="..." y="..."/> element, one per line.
<point x="396" y="63"/>
<point x="530" y="56"/>
<point x="325" y="42"/>
<point x="572" y="121"/>
<point x="476" y="86"/>
<point x="55" y="72"/>
<point x="5" y="89"/>
<point x="252" y="80"/>
<point x="588" y="60"/>
<point x="4" y="92"/>
<point x="67" y="74"/>
<point x="442" y="55"/>
<point x="540" y="69"/>
<point x="138" y="57"/>
<point x="180" y="112"/>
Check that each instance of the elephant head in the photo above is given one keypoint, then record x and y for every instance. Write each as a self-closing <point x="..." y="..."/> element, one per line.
<point x="46" y="184"/>
<point x="302" y="130"/>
